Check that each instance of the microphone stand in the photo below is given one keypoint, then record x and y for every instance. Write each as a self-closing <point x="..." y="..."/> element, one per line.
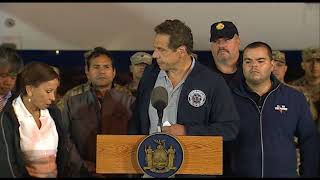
<point x="159" y="126"/>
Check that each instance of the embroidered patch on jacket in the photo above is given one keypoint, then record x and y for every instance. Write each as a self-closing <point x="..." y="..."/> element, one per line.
<point x="196" y="98"/>
<point x="281" y="108"/>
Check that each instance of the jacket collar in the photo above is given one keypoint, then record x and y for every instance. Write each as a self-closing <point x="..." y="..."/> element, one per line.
<point x="241" y="88"/>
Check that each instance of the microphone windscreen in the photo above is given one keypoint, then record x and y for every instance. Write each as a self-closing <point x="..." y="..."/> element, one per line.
<point x="159" y="98"/>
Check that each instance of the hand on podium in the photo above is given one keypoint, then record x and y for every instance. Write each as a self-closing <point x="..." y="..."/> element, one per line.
<point x="174" y="129"/>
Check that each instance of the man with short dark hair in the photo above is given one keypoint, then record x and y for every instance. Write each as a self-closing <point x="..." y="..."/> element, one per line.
<point x="100" y="109"/>
<point x="84" y="87"/>
<point x="11" y="64"/>
<point x="195" y="105"/>
<point x="271" y="115"/>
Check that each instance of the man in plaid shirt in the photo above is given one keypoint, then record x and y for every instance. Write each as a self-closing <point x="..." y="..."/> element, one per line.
<point x="11" y="65"/>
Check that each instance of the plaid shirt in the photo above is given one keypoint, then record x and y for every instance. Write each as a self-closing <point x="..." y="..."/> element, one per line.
<point x="4" y="99"/>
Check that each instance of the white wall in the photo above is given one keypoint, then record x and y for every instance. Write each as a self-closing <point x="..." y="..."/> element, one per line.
<point x="129" y="26"/>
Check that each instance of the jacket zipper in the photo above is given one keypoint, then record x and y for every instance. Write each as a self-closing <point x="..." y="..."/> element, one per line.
<point x="260" y="120"/>
<point x="7" y="148"/>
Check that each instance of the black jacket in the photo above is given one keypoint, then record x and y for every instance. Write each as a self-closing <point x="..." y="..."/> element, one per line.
<point x="12" y="163"/>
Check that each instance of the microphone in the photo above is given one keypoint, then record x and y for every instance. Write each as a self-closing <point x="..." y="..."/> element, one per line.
<point x="159" y="100"/>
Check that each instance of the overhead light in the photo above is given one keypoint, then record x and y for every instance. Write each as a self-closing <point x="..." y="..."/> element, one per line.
<point x="9" y="22"/>
<point x="57" y="52"/>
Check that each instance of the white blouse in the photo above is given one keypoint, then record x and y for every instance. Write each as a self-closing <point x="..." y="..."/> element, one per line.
<point x="35" y="143"/>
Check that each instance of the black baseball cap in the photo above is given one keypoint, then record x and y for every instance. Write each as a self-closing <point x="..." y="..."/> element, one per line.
<point x="223" y="29"/>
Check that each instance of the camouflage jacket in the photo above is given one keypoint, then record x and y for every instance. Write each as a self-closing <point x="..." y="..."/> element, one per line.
<point x="312" y="90"/>
<point x="128" y="88"/>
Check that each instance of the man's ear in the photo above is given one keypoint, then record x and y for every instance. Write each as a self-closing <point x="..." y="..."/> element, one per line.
<point x="238" y="41"/>
<point x="272" y="63"/>
<point x="114" y="72"/>
<point x="182" y="50"/>
<point x="286" y="68"/>
<point x="303" y="66"/>
<point x="131" y="68"/>
<point x="86" y="70"/>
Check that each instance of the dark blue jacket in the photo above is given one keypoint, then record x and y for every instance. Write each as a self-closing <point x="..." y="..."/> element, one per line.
<point x="265" y="144"/>
<point x="217" y="116"/>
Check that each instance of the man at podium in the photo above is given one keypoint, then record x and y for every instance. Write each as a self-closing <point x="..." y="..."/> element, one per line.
<point x="198" y="100"/>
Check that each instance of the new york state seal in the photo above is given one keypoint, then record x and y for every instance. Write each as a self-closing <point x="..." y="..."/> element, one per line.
<point x="160" y="155"/>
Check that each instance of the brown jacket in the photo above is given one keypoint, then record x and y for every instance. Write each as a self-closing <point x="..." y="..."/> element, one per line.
<point x="86" y="117"/>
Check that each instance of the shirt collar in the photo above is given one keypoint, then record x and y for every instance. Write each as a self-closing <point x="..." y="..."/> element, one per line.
<point x="7" y="96"/>
<point x="21" y="110"/>
<point x="274" y="85"/>
<point x="163" y="73"/>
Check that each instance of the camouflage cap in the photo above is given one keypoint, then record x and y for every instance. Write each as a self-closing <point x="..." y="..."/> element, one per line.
<point x="141" y="57"/>
<point x="279" y="56"/>
<point x="310" y="53"/>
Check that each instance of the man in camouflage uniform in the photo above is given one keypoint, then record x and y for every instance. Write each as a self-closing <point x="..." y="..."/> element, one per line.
<point x="139" y="61"/>
<point x="280" y="65"/>
<point x="310" y="82"/>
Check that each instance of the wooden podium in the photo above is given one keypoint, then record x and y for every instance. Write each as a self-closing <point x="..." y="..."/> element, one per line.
<point x="116" y="154"/>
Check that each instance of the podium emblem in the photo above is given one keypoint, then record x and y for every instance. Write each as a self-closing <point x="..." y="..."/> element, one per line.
<point x="160" y="155"/>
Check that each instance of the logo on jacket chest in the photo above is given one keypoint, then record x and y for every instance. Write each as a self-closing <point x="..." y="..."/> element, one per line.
<point x="196" y="98"/>
<point x="281" y="108"/>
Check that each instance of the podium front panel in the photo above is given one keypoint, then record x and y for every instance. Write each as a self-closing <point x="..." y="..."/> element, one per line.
<point x="116" y="154"/>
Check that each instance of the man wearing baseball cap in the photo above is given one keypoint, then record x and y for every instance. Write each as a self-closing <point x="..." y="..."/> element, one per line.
<point x="310" y="82"/>
<point x="225" y="49"/>
<point x="280" y="66"/>
<point x="139" y="61"/>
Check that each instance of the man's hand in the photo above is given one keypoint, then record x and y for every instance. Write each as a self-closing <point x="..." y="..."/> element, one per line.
<point x="174" y="129"/>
